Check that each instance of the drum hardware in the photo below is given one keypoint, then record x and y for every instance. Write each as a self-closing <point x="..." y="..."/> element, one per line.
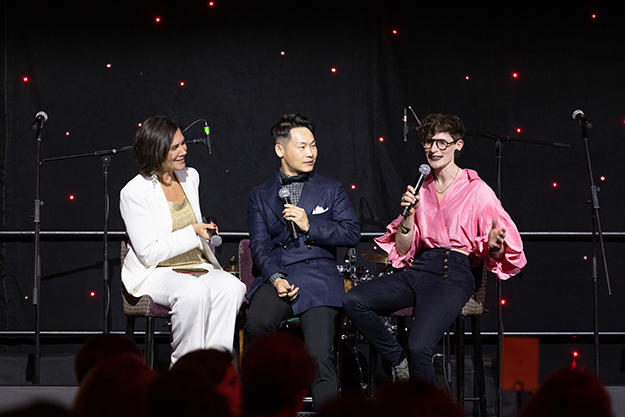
<point x="379" y="257"/>
<point x="233" y="269"/>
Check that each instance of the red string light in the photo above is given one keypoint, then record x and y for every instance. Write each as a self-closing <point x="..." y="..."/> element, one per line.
<point x="211" y="3"/>
<point x="66" y="133"/>
<point x="503" y="302"/>
<point x="515" y="75"/>
<point x="25" y="79"/>
<point x="71" y="197"/>
<point x="282" y="53"/>
<point x="394" y="31"/>
<point x="466" y="78"/>
<point x="594" y="16"/>
<point x="333" y="69"/>
<point x="554" y="184"/>
<point x="353" y="186"/>
<point x="602" y="178"/>
<point x="181" y="83"/>
<point x="518" y="130"/>
<point x="92" y="293"/>
<point x="381" y="139"/>
<point x="108" y="65"/>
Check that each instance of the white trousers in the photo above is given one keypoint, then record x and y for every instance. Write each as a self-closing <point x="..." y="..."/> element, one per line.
<point x="203" y="307"/>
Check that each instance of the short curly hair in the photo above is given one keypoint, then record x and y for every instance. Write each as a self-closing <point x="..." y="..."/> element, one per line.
<point x="441" y="123"/>
<point x="152" y="142"/>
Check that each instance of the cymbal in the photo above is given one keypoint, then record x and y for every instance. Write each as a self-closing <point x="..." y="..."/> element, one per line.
<point x="233" y="269"/>
<point x="380" y="257"/>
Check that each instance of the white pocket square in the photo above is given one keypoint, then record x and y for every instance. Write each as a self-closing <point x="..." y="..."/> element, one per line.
<point x="319" y="210"/>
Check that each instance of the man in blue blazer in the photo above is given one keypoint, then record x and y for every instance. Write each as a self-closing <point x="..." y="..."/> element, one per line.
<point x="294" y="246"/>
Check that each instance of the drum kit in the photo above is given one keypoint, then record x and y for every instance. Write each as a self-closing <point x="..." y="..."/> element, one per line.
<point x="355" y="376"/>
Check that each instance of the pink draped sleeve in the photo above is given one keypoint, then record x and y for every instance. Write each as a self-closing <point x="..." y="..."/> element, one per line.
<point x="513" y="259"/>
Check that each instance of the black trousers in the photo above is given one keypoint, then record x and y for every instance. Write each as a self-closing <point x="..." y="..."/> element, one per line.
<point x="437" y="286"/>
<point x="267" y="311"/>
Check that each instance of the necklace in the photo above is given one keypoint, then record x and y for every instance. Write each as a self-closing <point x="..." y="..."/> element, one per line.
<point x="452" y="181"/>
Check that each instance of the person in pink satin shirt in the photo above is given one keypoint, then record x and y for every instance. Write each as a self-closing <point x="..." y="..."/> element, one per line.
<point x="454" y="223"/>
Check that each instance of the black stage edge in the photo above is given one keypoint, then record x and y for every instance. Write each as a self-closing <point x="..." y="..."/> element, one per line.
<point x="18" y="396"/>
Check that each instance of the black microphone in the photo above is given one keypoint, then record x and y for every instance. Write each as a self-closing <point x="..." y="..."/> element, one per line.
<point x="581" y="119"/>
<point x="406" y="129"/>
<point x="285" y="197"/>
<point x="424" y="170"/>
<point x="40" y="119"/>
<point x="208" y="138"/>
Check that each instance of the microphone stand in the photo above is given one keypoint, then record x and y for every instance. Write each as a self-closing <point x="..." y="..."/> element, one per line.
<point x="596" y="232"/>
<point x="106" y="160"/>
<point x="37" y="261"/>
<point x="498" y="149"/>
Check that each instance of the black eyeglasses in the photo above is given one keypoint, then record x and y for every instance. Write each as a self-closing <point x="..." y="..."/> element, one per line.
<point x="440" y="143"/>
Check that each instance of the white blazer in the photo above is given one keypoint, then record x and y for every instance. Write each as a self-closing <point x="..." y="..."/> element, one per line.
<point x="147" y="217"/>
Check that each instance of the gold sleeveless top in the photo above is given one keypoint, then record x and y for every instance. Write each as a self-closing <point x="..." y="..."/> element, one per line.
<point x="182" y="215"/>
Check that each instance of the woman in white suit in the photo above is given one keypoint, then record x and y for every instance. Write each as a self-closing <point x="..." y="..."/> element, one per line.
<point x="161" y="211"/>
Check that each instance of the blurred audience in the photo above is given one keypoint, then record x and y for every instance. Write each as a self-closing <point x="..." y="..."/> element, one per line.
<point x="99" y="348"/>
<point x="115" y="387"/>
<point x="216" y="366"/>
<point x="351" y="405"/>
<point x="569" y="393"/>
<point x="416" y="398"/>
<point x="185" y="392"/>
<point x="276" y="374"/>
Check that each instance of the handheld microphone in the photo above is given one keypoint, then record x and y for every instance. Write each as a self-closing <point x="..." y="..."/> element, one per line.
<point x="40" y="118"/>
<point x="208" y="138"/>
<point x="406" y="128"/>
<point x="285" y="197"/>
<point x="215" y="239"/>
<point x="580" y="117"/>
<point x="424" y="170"/>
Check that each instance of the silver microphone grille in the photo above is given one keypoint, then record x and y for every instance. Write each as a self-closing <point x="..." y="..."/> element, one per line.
<point x="284" y="193"/>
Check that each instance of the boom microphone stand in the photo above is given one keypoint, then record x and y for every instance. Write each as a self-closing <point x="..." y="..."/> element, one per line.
<point x="37" y="260"/>
<point x="106" y="156"/>
<point x="498" y="149"/>
<point x="579" y="116"/>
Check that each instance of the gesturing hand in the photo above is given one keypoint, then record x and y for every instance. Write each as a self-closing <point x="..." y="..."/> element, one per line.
<point x="496" y="239"/>
<point x="285" y="290"/>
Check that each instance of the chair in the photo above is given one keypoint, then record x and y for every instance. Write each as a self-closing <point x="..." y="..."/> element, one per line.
<point x="246" y="275"/>
<point x="474" y="309"/>
<point x="143" y="306"/>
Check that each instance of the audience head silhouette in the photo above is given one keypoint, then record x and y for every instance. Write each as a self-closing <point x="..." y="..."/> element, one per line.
<point x="276" y="373"/>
